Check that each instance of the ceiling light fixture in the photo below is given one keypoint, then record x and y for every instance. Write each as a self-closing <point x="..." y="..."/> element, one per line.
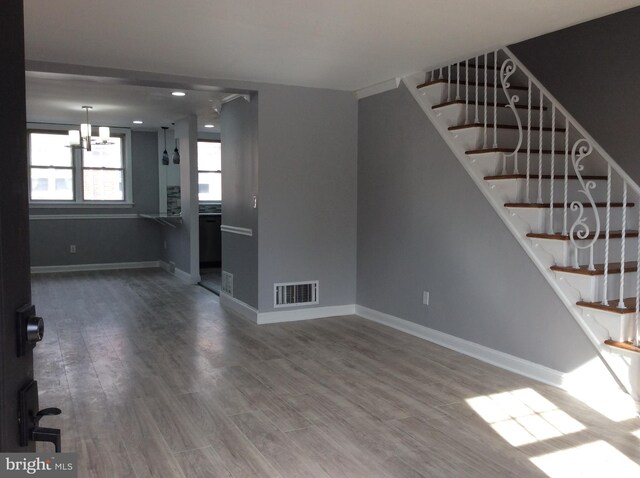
<point x="165" y="155"/>
<point x="82" y="138"/>
<point x="209" y="126"/>
<point x="179" y="93"/>
<point x="138" y="121"/>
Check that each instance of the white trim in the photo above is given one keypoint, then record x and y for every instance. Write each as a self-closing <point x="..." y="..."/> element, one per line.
<point x="235" y="96"/>
<point x="179" y="273"/>
<point x="371" y="90"/>
<point x="477" y="351"/>
<point x="305" y="314"/>
<point x="243" y="231"/>
<point x="79" y="205"/>
<point x="239" y="308"/>
<point x="95" y="267"/>
<point x="40" y="217"/>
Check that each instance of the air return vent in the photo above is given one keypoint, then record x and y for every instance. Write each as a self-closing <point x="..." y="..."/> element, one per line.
<point x="227" y="283"/>
<point x="295" y="293"/>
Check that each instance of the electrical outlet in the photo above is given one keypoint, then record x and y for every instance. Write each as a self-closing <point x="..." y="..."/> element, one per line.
<point x="425" y="297"/>
<point x="72" y="248"/>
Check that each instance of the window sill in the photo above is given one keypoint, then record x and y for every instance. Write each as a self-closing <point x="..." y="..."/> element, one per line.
<point x="79" y="205"/>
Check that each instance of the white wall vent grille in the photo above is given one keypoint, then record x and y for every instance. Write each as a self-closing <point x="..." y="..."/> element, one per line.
<point x="295" y="293"/>
<point x="227" y="283"/>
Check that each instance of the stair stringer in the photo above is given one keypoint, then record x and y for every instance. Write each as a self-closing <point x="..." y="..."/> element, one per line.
<point x="617" y="363"/>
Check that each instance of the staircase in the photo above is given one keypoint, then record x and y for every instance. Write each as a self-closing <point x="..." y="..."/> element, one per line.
<point x="572" y="208"/>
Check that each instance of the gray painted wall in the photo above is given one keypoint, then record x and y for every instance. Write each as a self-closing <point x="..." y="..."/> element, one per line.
<point x="183" y="239"/>
<point x="593" y="70"/>
<point x="307" y="202"/>
<point x="101" y="241"/>
<point x="424" y="225"/>
<point x="239" y="139"/>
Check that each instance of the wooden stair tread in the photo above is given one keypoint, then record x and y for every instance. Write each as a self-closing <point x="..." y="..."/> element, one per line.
<point x="614" y="268"/>
<point x="623" y="345"/>
<point x="470" y="83"/>
<point x="565" y="237"/>
<point x="501" y="126"/>
<point x="559" y="205"/>
<point x="544" y="176"/>
<point x="629" y="305"/>
<point x="491" y="103"/>
<point x="510" y="150"/>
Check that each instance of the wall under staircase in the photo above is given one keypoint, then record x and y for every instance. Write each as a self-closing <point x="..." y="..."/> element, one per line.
<point x="424" y="225"/>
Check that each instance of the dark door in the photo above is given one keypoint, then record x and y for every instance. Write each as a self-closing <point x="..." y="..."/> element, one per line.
<point x="15" y="286"/>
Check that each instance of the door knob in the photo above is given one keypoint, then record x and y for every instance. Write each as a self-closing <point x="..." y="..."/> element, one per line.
<point x="30" y="329"/>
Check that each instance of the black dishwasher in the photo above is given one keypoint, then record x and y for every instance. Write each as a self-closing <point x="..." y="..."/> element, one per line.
<point x="210" y="241"/>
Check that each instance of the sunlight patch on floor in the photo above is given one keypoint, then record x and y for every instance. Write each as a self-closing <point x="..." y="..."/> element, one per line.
<point x="596" y="459"/>
<point x="594" y="386"/>
<point x="636" y="434"/>
<point x="524" y="416"/>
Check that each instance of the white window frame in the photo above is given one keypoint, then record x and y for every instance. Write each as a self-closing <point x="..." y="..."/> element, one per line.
<point x="78" y="200"/>
<point x="208" y="171"/>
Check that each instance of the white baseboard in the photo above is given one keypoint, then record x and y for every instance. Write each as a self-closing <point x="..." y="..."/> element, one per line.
<point x="251" y="314"/>
<point x="179" y="273"/>
<point x="480" y="352"/>
<point x="305" y="314"/>
<point x="238" y="307"/>
<point x="95" y="267"/>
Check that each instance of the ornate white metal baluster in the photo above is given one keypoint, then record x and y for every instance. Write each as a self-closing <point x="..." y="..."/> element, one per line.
<point x="449" y="83"/>
<point x="566" y="177"/>
<point x="580" y="229"/>
<point x="466" y="92"/>
<point x="507" y="69"/>
<point x="607" y="232"/>
<point x="553" y="165"/>
<point x="458" y="81"/>
<point x="495" y="99"/>
<point x="540" y="150"/>
<point x="484" y="142"/>
<point x="476" y="120"/>
<point x="528" y="140"/>
<point x="623" y="244"/>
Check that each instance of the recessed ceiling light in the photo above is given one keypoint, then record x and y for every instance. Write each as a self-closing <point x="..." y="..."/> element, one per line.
<point x="137" y="121"/>
<point x="179" y="93"/>
<point x="209" y="126"/>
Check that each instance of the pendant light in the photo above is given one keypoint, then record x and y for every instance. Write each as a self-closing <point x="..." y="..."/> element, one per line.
<point x="165" y="155"/>
<point x="82" y="138"/>
<point x="176" y="154"/>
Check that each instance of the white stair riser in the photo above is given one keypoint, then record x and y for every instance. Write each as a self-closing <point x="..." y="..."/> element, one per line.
<point x="619" y="326"/>
<point x="538" y="219"/>
<point x="515" y="190"/>
<point x="437" y="93"/>
<point x="491" y="164"/>
<point x="591" y="287"/>
<point x="563" y="252"/>
<point x="473" y="138"/>
<point x="454" y="115"/>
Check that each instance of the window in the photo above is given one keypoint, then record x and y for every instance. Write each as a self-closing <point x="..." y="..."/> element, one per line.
<point x="103" y="172"/>
<point x="51" y="166"/>
<point x="60" y="174"/>
<point x="209" y="171"/>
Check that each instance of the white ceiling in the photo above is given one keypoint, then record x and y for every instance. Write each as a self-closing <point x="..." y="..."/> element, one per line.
<point x="341" y="44"/>
<point x="58" y="99"/>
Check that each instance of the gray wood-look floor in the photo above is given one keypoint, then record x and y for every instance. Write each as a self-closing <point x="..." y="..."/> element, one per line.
<point x="155" y="379"/>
